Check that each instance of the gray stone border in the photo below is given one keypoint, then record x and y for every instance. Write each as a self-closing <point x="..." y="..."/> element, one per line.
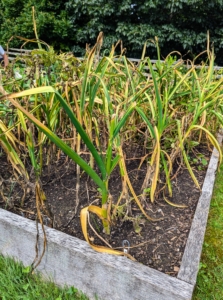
<point x="71" y="261"/>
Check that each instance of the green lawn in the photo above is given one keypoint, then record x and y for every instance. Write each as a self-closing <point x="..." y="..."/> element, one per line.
<point x="16" y="283"/>
<point x="210" y="277"/>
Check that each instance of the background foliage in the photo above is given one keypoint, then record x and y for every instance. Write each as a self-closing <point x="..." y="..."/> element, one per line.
<point x="68" y="25"/>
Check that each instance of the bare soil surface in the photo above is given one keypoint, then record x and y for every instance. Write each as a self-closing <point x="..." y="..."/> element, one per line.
<point x="159" y="244"/>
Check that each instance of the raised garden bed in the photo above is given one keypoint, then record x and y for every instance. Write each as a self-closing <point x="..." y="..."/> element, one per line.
<point x="71" y="261"/>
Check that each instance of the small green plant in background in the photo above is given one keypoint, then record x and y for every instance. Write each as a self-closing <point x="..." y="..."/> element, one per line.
<point x="16" y="283"/>
<point x="210" y="277"/>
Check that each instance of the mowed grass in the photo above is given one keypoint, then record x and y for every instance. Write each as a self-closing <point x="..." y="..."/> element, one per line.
<point x="210" y="278"/>
<point x="16" y="283"/>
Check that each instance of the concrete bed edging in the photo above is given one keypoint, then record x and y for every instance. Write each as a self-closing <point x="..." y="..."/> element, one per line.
<point x="70" y="261"/>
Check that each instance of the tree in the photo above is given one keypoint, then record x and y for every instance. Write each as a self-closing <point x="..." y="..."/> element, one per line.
<point x="180" y="25"/>
<point x="51" y="20"/>
<point x="69" y="25"/>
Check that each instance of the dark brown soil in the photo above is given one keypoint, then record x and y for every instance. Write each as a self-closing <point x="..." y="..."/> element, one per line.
<point x="159" y="245"/>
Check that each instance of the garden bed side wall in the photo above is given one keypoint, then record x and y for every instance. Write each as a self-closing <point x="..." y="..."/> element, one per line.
<point x="71" y="261"/>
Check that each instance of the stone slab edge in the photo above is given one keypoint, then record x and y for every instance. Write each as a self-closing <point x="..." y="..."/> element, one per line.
<point x="192" y="253"/>
<point x="70" y="261"/>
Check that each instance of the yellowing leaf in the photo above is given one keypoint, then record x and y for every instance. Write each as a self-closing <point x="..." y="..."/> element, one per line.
<point x="84" y="217"/>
